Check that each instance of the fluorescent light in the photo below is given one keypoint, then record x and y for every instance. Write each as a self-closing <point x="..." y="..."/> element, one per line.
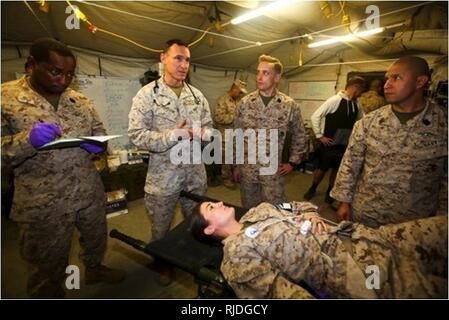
<point x="262" y="10"/>
<point x="347" y="38"/>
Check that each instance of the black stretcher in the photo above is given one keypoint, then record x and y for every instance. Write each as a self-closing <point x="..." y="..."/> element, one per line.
<point x="178" y="248"/>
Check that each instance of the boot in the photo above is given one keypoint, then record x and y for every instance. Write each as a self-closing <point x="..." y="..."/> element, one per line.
<point x="47" y="291"/>
<point x="310" y="193"/>
<point x="214" y="181"/>
<point x="101" y="273"/>
<point x="228" y="183"/>
<point x="328" y="199"/>
<point x="42" y="286"/>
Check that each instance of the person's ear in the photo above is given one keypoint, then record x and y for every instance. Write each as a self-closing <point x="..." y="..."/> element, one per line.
<point x="422" y="81"/>
<point x="162" y="57"/>
<point x="31" y="62"/>
<point x="277" y="77"/>
<point x="209" y="230"/>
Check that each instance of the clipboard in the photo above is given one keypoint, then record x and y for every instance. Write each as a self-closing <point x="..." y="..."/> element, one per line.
<point x="72" y="142"/>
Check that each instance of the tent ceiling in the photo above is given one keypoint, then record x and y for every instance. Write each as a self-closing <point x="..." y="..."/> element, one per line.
<point x="234" y="46"/>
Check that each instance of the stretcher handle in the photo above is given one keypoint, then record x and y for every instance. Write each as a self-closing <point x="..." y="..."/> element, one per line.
<point x="135" y="243"/>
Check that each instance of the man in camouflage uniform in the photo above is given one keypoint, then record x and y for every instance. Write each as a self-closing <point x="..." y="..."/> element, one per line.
<point x="372" y="99"/>
<point x="224" y="119"/>
<point x="55" y="190"/>
<point x="269" y="252"/>
<point x="267" y="108"/>
<point x="395" y="166"/>
<point x="163" y="111"/>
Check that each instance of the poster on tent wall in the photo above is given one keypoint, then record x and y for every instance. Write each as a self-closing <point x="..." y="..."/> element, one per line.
<point x="310" y="95"/>
<point x="112" y="98"/>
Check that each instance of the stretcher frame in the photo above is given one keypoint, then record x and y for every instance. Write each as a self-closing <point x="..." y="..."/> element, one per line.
<point x="179" y="249"/>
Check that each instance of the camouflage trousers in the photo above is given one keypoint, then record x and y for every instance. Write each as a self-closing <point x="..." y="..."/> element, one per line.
<point x="161" y="210"/>
<point x="269" y="190"/>
<point x="226" y="169"/>
<point x="412" y="257"/>
<point x="46" y="244"/>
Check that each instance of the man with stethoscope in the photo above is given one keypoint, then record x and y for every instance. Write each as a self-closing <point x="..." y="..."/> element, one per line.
<point x="165" y="113"/>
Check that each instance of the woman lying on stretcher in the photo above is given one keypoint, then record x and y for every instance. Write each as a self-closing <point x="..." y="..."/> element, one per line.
<point x="272" y="248"/>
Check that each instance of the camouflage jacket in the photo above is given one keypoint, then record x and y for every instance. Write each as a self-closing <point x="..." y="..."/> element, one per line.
<point x="62" y="177"/>
<point x="371" y="101"/>
<point x="225" y="111"/>
<point x="393" y="173"/>
<point x="152" y="120"/>
<point x="282" y="114"/>
<point x="270" y="257"/>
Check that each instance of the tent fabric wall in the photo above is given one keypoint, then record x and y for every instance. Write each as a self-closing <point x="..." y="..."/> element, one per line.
<point x="213" y="83"/>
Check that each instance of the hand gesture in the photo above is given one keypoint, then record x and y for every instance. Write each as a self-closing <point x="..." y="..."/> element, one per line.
<point x="326" y="141"/>
<point x="284" y="169"/>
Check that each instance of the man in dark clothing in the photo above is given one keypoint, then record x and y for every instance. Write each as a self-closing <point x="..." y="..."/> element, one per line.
<point x="340" y="112"/>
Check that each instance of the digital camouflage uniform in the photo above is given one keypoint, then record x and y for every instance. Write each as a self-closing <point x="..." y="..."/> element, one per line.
<point x="268" y="258"/>
<point x="281" y="113"/>
<point x="224" y="119"/>
<point x="371" y="101"/>
<point x="152" y="120"/>
<point x="55" y="190"/>
<point x="393" y="172"/>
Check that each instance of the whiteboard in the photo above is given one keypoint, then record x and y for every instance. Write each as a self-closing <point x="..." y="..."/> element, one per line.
<point x="112" y="99"/>
<point x="311" y="90"/>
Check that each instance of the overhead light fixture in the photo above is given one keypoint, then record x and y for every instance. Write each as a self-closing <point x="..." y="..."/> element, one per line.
<point x="326" y="9"/>
<point x="44" y="6"/>
<point x="276" y="5"/>
<point x="347" y="38"/>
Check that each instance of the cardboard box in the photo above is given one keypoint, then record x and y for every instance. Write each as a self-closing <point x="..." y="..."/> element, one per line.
<point x="116" y="203"/>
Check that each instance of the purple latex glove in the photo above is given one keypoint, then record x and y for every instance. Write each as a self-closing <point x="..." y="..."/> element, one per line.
<point x="43" y="132"/>
<point x="92" y="147"/>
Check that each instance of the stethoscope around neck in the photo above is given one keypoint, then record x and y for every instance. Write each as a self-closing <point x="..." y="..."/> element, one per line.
<point x="156" y="92"/>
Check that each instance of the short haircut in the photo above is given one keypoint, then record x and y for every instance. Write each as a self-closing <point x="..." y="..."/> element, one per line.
<point x="418" y="64"/>
<point x="41" y="48"/>
<point x="277" y="64"/>
<point x="197" y="225"/>
<point x="355" y="80"/>
<point x="171" y="42"/>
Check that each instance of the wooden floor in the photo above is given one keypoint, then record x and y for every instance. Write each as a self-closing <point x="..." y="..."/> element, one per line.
<point x="141" y="281"/>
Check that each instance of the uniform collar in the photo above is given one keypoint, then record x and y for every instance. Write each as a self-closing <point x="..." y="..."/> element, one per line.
<point x="262" y="212"/>
<point x="168" y="91"/>
<point x="28" y="95"/>
<point x="424" y="118"/>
